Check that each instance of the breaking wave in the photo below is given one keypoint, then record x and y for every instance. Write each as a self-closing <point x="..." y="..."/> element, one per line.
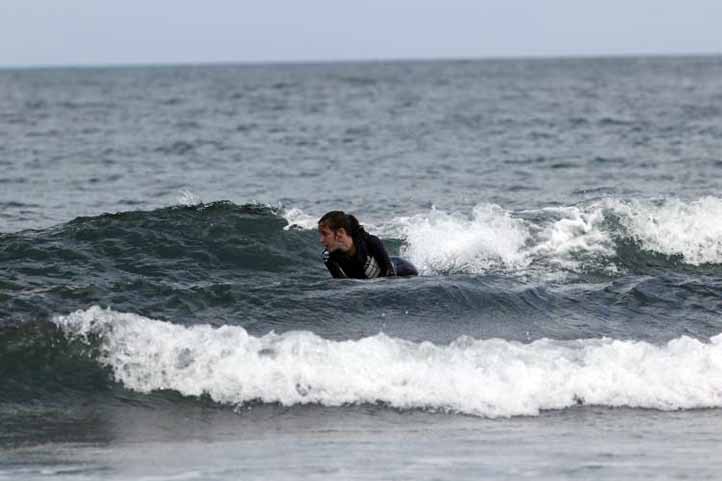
<point x="573" y="238"/>
<point x="484" y="377"/>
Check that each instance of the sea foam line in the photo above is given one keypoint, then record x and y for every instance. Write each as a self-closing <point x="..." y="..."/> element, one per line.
<point x="487" y="377"/>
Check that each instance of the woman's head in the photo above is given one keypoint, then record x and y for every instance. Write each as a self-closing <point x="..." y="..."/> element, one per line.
<point x="338" y="229"/>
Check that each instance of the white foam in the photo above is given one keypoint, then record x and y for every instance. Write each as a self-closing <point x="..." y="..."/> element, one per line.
<point x="490" y="377"/>
<point x="691" y="229"/>
<point x="188" y="199"/>
<point x="577" y="236"/>
<point x="297" y="218"/>
<point x="440" y="242"/>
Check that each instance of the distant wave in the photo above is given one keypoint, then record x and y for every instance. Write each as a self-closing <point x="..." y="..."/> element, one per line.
<point x="491" y="377"/>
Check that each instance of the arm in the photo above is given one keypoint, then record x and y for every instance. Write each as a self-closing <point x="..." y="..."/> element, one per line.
<point x="378" y="251"/>
<point x="332" y="267"/>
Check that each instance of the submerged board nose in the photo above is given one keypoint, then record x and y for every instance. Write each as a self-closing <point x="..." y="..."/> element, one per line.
<point x="403" y="267"/>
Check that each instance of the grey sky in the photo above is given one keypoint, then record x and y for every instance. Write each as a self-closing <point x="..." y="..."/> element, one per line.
<point x="44" y="32"/>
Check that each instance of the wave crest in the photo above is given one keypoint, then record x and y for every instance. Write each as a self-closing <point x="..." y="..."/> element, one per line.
<point x="673" y="227"/>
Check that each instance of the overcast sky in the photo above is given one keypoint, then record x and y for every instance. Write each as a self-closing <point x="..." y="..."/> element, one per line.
<point x="61" y="32"/>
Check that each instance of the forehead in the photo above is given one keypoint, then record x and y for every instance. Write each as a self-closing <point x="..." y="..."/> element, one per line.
<point x="324" y="228"/>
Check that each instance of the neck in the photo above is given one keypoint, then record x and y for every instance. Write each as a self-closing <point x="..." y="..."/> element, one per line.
<point x="348" y="246"/>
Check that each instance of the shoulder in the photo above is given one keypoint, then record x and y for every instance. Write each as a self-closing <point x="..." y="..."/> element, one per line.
<point x="374" y="241"/>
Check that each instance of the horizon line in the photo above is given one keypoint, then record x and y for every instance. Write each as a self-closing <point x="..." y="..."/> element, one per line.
<point x="369" y="60"/>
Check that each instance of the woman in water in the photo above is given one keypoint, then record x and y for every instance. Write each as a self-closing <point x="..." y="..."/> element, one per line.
<point x="354" y="253"/>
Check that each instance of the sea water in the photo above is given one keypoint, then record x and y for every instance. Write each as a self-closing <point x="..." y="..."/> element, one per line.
<point x="165" y="312"/>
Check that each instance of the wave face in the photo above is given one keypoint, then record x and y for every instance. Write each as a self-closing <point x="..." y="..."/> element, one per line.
<point x="491" y="377"/>
<point x="188" y="256"/>
<point x="493" y="271"/>
<point x="612" y="302"/>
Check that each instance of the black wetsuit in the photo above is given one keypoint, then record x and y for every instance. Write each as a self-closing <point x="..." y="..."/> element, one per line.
<point x="371" y="260"/>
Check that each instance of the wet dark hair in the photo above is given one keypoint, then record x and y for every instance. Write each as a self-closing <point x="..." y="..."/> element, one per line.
<point x="337" y="219"/>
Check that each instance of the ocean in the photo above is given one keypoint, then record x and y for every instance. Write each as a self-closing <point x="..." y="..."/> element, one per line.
<point x="165" y="313"/>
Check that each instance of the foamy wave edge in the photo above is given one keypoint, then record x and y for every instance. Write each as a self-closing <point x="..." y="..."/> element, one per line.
<point x="487" y="377"/>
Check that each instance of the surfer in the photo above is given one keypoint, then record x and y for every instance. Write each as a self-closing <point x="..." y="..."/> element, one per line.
<point x="352" y="252"/>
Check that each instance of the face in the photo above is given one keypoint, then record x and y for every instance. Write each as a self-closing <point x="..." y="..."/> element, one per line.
<point x="328" y="238"/>
<point x="331" y="240"/>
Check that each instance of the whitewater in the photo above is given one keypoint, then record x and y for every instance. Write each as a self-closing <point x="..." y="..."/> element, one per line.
<point x="490" y="377"/>
<point x="490" y="237"/>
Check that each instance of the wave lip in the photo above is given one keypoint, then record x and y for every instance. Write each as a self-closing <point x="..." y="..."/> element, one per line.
<point x="573" y="238"/>
<point x="296" y="218"/>
<point x="491" y="377"/>
<point x="691" y="230"/>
